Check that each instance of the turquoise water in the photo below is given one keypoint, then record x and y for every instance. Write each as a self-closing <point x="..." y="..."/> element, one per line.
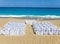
<point x="29" y="11"/>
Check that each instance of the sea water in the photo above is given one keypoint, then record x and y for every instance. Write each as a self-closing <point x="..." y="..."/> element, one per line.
<point x="34" y="11"/>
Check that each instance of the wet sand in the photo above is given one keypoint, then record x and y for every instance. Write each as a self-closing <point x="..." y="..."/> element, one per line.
<point x="29" y="37"/>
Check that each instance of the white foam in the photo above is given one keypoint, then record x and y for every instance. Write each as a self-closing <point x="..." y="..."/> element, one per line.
<point x="45" y="16"/>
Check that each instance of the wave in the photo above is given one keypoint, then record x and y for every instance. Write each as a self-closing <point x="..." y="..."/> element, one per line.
<point x="47" y="16"/>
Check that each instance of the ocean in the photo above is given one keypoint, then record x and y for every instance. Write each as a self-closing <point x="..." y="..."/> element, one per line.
<point x="33" y="11"/>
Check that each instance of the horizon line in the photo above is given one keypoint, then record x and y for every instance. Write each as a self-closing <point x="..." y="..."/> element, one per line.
<point x="34" y="7"/>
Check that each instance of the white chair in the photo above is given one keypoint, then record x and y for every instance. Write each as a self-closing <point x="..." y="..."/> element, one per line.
<point x="13" y="28"/>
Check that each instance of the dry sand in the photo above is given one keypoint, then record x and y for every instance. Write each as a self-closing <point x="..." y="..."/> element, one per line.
<point x="29" y="37"/>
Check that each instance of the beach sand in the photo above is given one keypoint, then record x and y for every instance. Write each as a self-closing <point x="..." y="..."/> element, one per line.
<point x="29" y="37"/>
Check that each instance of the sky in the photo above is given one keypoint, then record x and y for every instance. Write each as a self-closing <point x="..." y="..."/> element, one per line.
<point x="29" y="3"/>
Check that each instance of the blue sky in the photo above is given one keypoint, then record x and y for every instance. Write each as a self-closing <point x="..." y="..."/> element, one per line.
<point x="29" y="3"/>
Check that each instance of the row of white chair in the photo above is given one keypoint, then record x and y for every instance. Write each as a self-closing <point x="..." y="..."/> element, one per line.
<point x="13" y="28"/>
<point x="45" y="28"/>
<point x="40" y="28"/>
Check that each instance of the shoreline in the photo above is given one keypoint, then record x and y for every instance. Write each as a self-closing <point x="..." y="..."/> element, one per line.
<point x="29" y="16"/>
<point x="46" y="17"/>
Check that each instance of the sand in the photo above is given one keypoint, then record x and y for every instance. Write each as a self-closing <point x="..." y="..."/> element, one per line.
<point x="29" y="37"/>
